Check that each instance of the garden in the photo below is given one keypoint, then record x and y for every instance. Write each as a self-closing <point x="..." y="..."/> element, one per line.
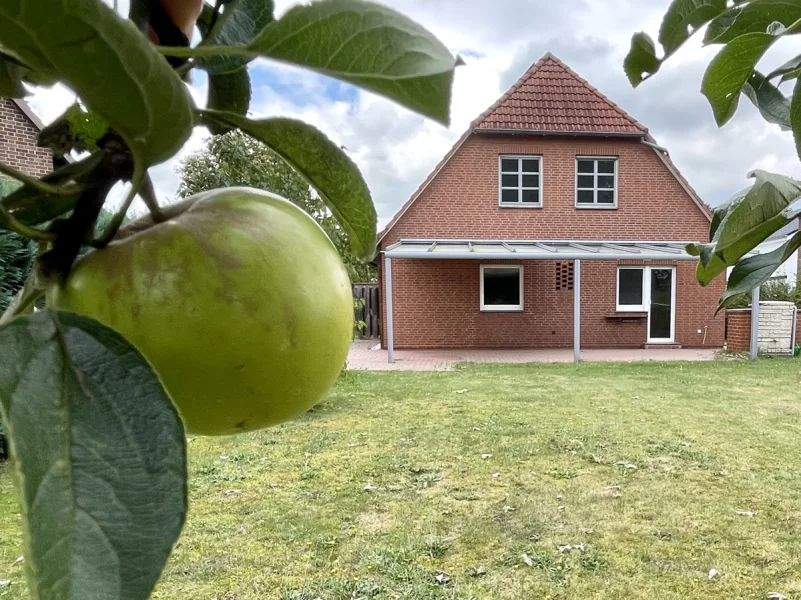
<point x="648" y="480"/>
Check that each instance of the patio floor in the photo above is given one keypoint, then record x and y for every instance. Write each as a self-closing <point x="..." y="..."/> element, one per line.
<point x="363" y="358"/>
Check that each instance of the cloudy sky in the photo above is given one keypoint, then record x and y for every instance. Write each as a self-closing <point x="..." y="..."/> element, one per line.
<point x="499" y="40"/>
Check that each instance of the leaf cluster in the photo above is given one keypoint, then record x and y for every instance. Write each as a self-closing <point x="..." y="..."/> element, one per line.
<point x="99" y="449"/>
<point x="745" y="30"/>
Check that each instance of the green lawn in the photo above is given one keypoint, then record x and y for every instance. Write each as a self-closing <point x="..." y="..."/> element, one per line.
<point x="660" y="472"/>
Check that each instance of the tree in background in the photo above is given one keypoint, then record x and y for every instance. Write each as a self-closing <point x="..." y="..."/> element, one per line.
<point x="235" y="159"/>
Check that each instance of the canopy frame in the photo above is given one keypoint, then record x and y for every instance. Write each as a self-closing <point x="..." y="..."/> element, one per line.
<point x="575" y="251"/>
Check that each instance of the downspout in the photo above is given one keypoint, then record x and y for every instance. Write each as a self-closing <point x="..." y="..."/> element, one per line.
<point x="655" y="146"/>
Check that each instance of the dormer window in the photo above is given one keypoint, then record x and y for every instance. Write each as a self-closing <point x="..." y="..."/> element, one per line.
<point x="596" y="182"/>
<point x="520" y="181"/>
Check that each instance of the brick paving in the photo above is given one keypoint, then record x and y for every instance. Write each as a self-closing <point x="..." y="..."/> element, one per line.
<point x="362" y="357"/>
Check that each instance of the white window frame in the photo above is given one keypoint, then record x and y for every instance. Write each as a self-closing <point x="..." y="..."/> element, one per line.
<point x="500" y="307"/>
<point x="520" y="188"/>
<point x="646" y="299"/>
<point x="645" y="288"/>
<point x="595" y="205"/>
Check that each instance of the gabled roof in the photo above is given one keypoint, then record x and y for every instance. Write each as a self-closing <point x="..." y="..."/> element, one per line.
<point x="551" y="97"/>
<point x="540" y="102"/>
<point x="25" y="108"/>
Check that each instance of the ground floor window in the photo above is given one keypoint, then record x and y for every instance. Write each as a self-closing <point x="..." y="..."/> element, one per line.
<point x="501" y="288"/>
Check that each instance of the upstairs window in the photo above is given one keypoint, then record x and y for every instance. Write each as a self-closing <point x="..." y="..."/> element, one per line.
<point x="596" y="182"/>
<point x="520" y="181"/>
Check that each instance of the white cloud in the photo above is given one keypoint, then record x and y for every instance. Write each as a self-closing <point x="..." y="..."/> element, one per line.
<point x="396" y="149"/>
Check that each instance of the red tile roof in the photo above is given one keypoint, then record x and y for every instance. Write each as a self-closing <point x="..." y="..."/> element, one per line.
<point x="551" y="97"/>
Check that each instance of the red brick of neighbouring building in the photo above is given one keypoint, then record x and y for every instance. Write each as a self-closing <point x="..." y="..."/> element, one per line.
<point x="19" y="128"/>
<point x="436" y="302"/>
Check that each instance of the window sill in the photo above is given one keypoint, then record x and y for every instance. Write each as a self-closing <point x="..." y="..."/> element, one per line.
<point x="627" y="317"/>
<point x="596" y="207"/>
<point x="501" y="310"/>
<point x="519" y="205"/>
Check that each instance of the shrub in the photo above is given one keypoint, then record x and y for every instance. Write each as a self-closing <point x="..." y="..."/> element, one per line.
<point x="775" y="290"/>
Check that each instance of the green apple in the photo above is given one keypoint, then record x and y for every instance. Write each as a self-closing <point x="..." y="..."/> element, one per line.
<point x="241" y="304"/>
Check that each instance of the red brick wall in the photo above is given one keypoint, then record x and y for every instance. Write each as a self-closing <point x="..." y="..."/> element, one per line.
<point x="18" y="142"/>
<point x="738" y="330"/>
<point x="462" y="201"/>
<point x="436" y="303"/>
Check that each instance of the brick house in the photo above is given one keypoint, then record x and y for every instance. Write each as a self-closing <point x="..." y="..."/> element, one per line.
<point x="19" y="128"/>
<point x="555" y="221"/>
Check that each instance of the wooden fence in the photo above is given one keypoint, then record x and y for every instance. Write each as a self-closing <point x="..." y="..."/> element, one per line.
<point x="368" y="311"/>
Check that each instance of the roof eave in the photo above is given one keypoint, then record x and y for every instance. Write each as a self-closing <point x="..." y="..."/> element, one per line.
<point x="626" y="134"/>
<point x="28" y="112"/>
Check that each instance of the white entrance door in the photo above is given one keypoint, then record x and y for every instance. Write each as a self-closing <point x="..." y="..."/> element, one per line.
<point x="660" y="288"/>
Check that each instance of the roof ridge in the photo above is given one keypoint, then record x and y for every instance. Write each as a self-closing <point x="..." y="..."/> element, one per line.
<point x="596" y="91"/>
<point x="631" y="126"/>
<point x="515" y="86"/>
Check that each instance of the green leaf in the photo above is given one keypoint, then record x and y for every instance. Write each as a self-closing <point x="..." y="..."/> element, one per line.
<point x="32" y="207"/>
<point x="745" y="221"/>
<point x="684" y="17"/>
<point x="109" y="63"/>
<point x="369" y="45"/>
<point x="76" y="129"/>
<point x="788" y="70"/>
<point x="729" y="71"/>
<point x="324" y="165"/>
<point x="11" y="75"/>
<point x="720" y="25"/>
<point x="641" y="61"/>
<point x="772" y="104"/>
<point x="100" y="458"/>
<point x="753" y="271"/>
<point x="795" y="115"/>
<point x="242" y="22"/>
<point x="754" y="17"/>
<point x="229" y="92"/>
<point x="770" y="195"/>
<point x="789" y="75"/>
<point x="87" y="126"/>
<point x="721" y="212"/>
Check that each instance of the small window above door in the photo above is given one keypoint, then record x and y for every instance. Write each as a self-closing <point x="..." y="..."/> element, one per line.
<point x="520" y="181"/>
<point x="630" y="289"/>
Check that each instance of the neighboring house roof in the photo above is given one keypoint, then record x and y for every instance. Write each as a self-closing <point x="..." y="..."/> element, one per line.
<point x="551" y="97"/>
<point x="28" y="112"/>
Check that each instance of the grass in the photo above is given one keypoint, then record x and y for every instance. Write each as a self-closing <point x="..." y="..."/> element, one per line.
<point x="399" y="486"/>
